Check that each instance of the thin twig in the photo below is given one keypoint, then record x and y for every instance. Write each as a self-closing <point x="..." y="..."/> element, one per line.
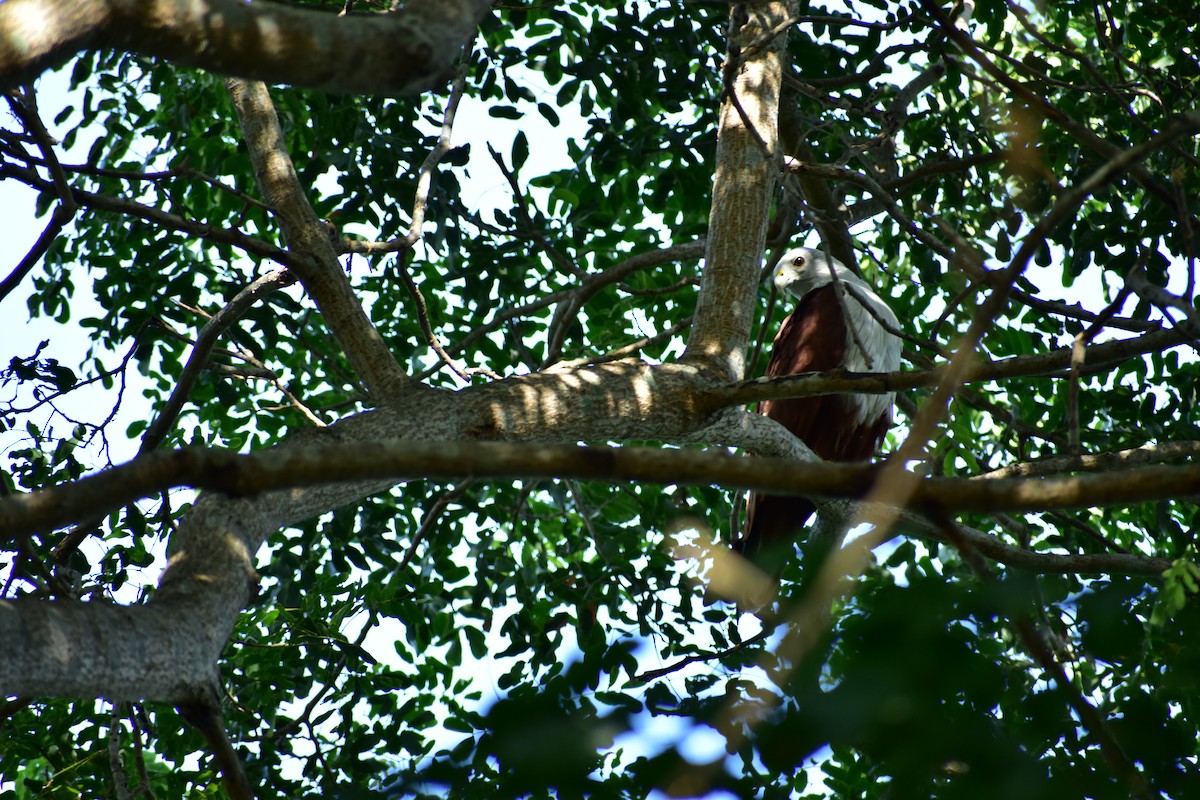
<point x="420" y="204"/>
<point x="756" y="352"/>
<point x="426" y="172"/>
<point x="431" y="338"/>
<point x="160" y="219"/>
<point x="890" y="203"/>
<point x="138" y="725"/>
<point x="695" y="658"/>
<point x="205" y="341"/>
<point x="1097" y="462"/>
<point x="330" y="681"/>
<point x="1064" y="519"/>
<point x="627" y="350"/>
<point x="1082" y="340"/>
<point x="584" y="512"/>
<point x="431" y="518"/>
<point x="585" y="291"/>
<point x="24" y="107"/>
<point x="659" y="290"/>
<point x="533" y="231"/>
<point x="270" y="375"/>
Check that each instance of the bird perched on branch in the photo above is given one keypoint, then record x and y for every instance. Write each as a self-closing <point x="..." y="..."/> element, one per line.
<point x="838" y="324"/>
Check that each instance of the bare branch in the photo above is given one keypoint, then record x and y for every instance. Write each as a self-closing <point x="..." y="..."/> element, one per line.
<point x="891" y="205"/>
<point x="572" y="302"/>
<point x="1095" y="462"/>
<point x="1050" y="363"/>
<point x="315" y="464"/>
<point x="1137" y="281"/>
<point x="314" y="262"/>
<point x="700" y="657"/>
<point x="156" y="217"/>
<point x="432" y="515"/>
<point x="209" y="334"/>
<point x="532" y="230"/>
<point x="629" y="349"/>
<point x="24" y="106"/>
<point x="590" y="286"/>
<point x="431" y="338"/>
<point x="426" y="173"/>
<point x="1078" y="354"/>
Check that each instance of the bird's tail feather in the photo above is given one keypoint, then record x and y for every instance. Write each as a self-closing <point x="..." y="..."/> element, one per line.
<point x="774" y="523"/>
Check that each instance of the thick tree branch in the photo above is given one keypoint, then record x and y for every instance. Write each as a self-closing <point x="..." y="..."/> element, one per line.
<point x="97" y="649"/>
<point x="242" y="475"/>
<point x="314" y="261"/>
<point x="401" y="53"/>
<point x="744" y="184"/>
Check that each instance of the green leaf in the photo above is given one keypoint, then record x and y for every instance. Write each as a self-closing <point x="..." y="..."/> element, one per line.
<point x="520" y="151"/>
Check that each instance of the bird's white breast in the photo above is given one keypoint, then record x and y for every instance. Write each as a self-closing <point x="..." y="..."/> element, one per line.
<point x="880" y="350"/>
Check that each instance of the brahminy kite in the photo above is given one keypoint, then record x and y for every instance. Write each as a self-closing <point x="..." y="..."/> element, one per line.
<point x="824" y="332"/>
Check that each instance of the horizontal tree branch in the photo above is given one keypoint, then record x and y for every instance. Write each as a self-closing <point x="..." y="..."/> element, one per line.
<point x="244" y="475"/>
<point x="1041" y="364"/>
<point x="1094" y="462"/>
<point x="998" y="550"/>
<point x="154" y="216"/>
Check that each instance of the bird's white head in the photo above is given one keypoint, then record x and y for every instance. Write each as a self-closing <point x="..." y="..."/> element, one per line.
<point x="804" y="269"/>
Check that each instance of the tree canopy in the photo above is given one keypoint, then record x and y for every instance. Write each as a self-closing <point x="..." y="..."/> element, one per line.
<point x="440" y="351"/>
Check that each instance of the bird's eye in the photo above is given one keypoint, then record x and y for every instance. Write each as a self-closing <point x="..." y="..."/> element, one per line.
<point x="798" y="261"/>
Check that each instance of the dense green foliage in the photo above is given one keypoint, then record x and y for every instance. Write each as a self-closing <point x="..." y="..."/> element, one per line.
<point x="526" y="616"/>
